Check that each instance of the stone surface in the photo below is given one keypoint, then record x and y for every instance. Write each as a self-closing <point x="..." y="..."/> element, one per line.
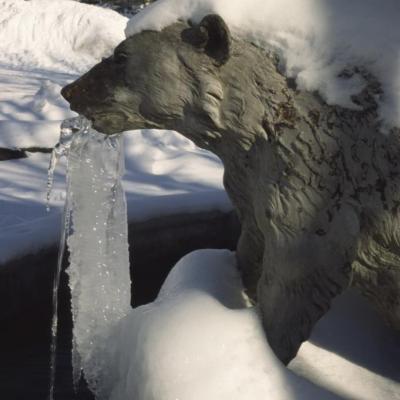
<point x="315" y="186"/>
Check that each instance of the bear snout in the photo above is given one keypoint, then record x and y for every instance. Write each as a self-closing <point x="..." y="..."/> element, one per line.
<point x="68" y="92"/>
<point x="76" y="97"/>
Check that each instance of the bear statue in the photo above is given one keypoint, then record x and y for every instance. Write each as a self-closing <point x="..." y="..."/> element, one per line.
<point x="315" y="186"/>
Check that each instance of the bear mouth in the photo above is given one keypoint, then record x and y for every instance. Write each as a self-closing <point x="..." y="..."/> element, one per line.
<point x="108" y="122"/>
<point x="105" y="119"/>
<point x="111" y="118"/>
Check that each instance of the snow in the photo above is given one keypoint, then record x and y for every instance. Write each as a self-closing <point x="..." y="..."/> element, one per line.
<point x="26" y="227"/>
<point x="31" y="96"/>
<point x="160" y="179"/>
<point x="62" y="35"/>
<point x="316" y="39"/>
<point x="200" y="340"/>
<point x="352" y="352"/>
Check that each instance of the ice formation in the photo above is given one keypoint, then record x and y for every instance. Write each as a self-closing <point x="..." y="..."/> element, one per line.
<point x="97" y="238"/>
<point x="68" y="128"/>
<point x="61" y="149"/>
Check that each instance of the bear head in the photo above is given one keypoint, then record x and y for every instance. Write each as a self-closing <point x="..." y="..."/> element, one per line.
<point x="156" y="79"/>
<point x="192" y="78"/>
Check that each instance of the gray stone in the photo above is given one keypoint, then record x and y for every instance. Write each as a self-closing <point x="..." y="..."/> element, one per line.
<point x="315" y="186"/>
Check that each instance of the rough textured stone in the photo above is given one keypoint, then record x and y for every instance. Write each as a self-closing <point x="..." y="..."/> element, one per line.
<point x="315" y="186"/>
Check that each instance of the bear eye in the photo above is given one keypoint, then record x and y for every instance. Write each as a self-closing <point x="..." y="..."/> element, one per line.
<point x="120" y="57"/>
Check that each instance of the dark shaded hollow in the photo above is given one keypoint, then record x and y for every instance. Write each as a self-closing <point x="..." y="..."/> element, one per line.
<point x="11" y="154"/>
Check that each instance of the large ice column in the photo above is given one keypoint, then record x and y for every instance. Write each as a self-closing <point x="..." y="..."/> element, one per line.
<point x="98" y="245"/>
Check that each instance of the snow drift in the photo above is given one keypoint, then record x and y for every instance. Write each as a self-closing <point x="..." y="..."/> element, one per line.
<point x="316" y="39"/>
<point x="60" y="35"/>
<point x="200" y="339"/>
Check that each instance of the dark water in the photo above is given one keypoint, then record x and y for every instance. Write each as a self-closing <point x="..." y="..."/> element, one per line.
<point x="25" y="353"/>
<point x="155" y="246"/>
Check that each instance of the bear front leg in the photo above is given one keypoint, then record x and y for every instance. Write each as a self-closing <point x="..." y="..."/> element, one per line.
<point x="376" y="269"/>
<point x="301" y="276"/>
<point x="249" y="256"/>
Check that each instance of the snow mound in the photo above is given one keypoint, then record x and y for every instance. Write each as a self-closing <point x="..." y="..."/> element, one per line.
<point x="62" y="35"/>
<point x="199" y="340"/>
<point x="316" y="39"/>
<point x="32" y="96"/>
<point x="352" y="352"/>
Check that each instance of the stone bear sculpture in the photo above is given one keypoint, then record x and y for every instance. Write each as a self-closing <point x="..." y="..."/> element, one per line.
<point x="316" y="187"/>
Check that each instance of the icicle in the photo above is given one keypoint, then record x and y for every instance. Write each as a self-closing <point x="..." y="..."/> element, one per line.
<point x="56" y="284"/>
<point x="99" y="256"/>
<point x="67" y="129"/>
<point x="98" y="246"/>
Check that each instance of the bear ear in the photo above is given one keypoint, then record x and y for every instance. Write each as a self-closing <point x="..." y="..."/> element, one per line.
<point x="218" y="45"/>
<point x="212" y="35"/>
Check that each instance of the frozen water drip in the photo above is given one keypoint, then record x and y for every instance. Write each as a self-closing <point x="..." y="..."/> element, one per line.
<point x="96" y="233"/>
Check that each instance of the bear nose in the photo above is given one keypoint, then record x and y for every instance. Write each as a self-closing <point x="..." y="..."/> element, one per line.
<point x="68" y="92"/>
